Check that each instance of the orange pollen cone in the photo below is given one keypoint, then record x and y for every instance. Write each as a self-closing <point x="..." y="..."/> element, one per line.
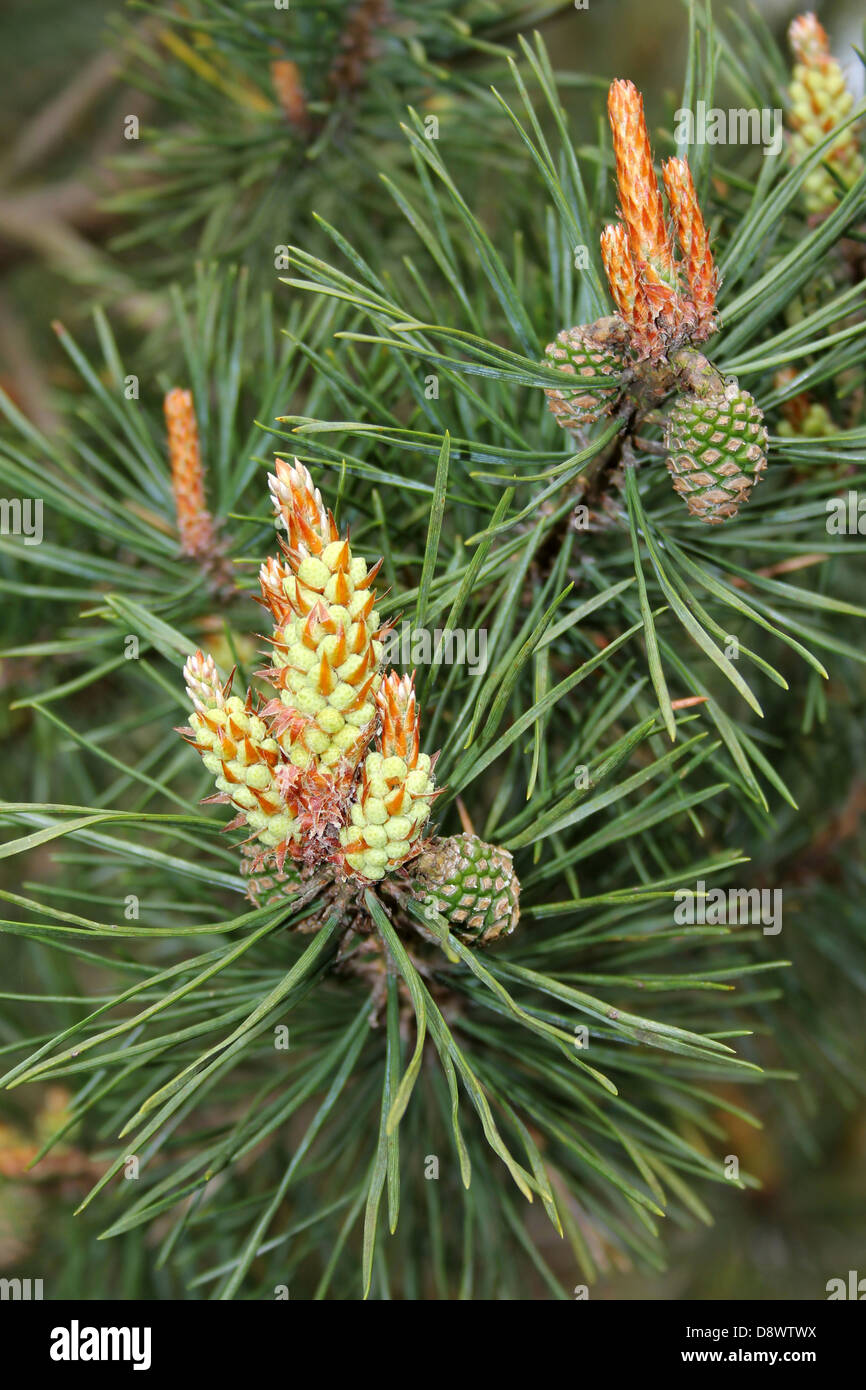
<point x="692" y="234"/>
<point x="640" y="197"/>
<point x="194" y="522"/>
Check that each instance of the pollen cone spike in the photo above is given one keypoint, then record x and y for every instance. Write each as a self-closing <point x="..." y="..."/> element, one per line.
<point x="393" y="806"/>
<point x="194" y="522"/>
<point x="639" y="194"/>
<point x="620" y="271"/>
<point x="694" y="240"/>
<point x="809" y="41"/>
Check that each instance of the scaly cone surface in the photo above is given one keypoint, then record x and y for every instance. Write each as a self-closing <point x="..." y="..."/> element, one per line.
<point x="473" y="885"/>
<point x="593" y="350"/>
<point x="718" y="450"/>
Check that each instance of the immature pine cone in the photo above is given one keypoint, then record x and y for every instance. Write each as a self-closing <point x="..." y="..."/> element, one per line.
<point x="718" y="450"/>
<point x="590" y="350"/>
<point x="472" y="884"/>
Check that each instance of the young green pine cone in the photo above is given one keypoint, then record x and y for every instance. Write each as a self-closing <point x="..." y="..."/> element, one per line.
<point x="472" y="884"/>
<point x="717" y="444"/>
<point x="235" y="747"/>
<point x="396" y="789"/>
<point x="327" y="642"/>
<point x="591" y="350"/>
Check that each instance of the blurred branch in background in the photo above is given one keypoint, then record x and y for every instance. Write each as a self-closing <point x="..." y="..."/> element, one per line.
<point x="53" y="182"/>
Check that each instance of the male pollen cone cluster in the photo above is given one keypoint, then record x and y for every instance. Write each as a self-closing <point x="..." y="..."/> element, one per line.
<point x="327" y="771"/>
<point x="820" y="100"/>
<point x="664" y="302"/>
